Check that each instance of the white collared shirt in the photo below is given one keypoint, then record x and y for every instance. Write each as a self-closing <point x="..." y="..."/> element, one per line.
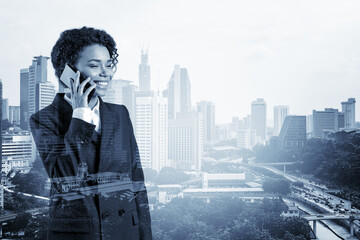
<point x="87" y="114"/>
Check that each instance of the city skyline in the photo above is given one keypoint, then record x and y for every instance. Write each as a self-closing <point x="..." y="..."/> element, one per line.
<point x="297" y="54"/>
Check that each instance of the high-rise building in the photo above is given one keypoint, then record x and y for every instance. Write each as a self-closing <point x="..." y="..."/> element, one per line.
<point x="293" y="132"/>
<point x="243" y="138"/>
<point x="258" y="118"/>
<point x="41" y="92"/>
<point x="1" y="97"/>
<point x="234" y="126"/>
<point x="17" y="151"/>
<point x="144" y="73"/>
<point x="185" y="141"/>
<point x="122" y="92"/>
<point x="309" y="126"/>
<point x="24" y="99"/>
<point x="341" y="120"/>
<point x="207" y="110"/>
<point x="348" y="108"/>
<point x="178" y="92"/>
<point x="327" y="120"/>
<point x="280" y="113"/>
<point x="245" y="122"/>
<point x="222" y="132"/>
<point x="151" y="129"/>
<point x="5" y="108"/>
<point x="14" y="115"/>
<point x="45" y="93"/>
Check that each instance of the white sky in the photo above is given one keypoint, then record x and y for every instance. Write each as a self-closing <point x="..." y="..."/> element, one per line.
<point x="305" y="54"/>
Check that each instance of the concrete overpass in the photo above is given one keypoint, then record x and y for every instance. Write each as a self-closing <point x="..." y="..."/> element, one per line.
<point x="284" y="164"/>
<point x="329" y="216"/>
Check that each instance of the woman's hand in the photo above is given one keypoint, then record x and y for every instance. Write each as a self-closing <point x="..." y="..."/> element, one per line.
<point x="79" y="98"/>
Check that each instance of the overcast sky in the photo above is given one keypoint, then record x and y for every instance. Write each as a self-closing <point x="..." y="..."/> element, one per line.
<point x="305" y="54"/>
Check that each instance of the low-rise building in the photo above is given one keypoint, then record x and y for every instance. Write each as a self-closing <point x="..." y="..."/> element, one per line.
<point x="292" y="211"/>
<point x="167" y="192"/>
<point x="16" y="151"/>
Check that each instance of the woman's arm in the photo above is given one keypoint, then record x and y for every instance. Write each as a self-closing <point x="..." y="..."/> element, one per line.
<point x="61" y="154"/>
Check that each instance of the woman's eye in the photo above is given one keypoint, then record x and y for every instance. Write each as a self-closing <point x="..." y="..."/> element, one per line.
<point x="93" y="66"/>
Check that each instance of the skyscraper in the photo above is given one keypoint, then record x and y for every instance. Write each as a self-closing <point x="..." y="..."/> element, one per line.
<point x="122" y="92"/>
<point x="45" y="93"/>
<point x="207" y="110"/>
<point x="325" y="120"/>
<point x="293" y="132"/>
<point x="151" y="129"/>
<point x="258" y="118"/>
<point x="5" y="108"/>
<point x="178" y="92"/>
<point x="144" y="73"/>
<point x="243" y="138"/>
<point x="14" y="115"/>
<point x="185" y="141"/>
<point x="348" y="108"/>
<point x="24" y="99"/>
<point x="41" y="92"/>
<point x="280" y="113"/>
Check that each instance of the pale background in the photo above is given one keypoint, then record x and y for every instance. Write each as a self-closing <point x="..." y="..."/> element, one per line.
<point x="305" y="54"/>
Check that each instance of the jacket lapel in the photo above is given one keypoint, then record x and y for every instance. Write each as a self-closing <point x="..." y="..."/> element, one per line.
<point x="107" y="118"/>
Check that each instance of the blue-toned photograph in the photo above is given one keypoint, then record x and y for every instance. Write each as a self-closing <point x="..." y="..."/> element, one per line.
<point x="180" y="120"/>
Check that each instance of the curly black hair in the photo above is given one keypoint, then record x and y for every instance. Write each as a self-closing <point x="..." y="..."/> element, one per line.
<point x="71" y="42"/>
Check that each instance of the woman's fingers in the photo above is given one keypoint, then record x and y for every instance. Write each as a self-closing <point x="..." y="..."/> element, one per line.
<point x="77" y="81"/>
<point x="87" y="92"/>
<point x="82" y="85"/>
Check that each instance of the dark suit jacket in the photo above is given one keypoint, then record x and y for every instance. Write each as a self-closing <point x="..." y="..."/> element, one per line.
<point x="63" y="142"/>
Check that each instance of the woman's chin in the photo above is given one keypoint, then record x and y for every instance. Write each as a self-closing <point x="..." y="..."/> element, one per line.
<point x="100" y="92"/>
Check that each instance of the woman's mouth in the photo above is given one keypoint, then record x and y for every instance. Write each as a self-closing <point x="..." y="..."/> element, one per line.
<point x="101" y="83"/>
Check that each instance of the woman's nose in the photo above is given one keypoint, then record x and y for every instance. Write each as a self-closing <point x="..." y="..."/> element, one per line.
<point x="104" y="72"/>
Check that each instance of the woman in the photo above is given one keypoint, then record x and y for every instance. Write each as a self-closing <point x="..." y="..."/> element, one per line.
<point x="88" y="148"/>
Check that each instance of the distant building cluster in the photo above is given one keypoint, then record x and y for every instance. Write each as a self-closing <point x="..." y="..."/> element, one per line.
<point x="211" y="185"/>
<point x="170" y="130"/>
<point x="17" y="151"/>
<point x="290" y="130"/>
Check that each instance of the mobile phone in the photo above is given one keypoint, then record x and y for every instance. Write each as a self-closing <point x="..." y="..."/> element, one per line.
<point x="68" y="76"/>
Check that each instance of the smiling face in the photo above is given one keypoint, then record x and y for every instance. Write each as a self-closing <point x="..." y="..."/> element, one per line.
<point x="95" y="62"/>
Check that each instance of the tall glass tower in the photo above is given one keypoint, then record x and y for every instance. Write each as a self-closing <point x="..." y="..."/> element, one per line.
<point x="41" y="92"/>
<point x="144" y="72"/>
<point x="24" y="99"/>
<point x="258" y="118"/>
<point x="348" y="108"/>
<point x="178" y="92"/>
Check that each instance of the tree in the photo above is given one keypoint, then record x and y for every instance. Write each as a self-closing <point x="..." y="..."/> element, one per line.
<point x="32" y="182"/>
<point x="277" y="185"/>
<point x="19" y="223"/>
<point x="150" y="174"/>
<point x="5" y="124"/>
<point x="169" y="175"/>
